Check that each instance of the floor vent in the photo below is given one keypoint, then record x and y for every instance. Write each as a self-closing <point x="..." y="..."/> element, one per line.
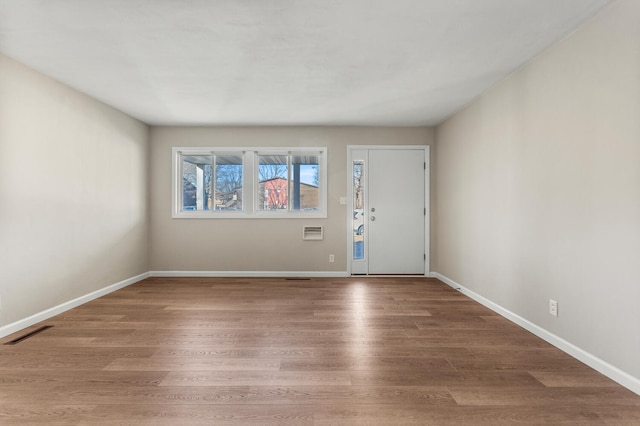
<point x="30" y="334"/>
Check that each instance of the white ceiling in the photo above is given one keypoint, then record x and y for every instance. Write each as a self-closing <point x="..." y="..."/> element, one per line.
<point x="285" y="62"/>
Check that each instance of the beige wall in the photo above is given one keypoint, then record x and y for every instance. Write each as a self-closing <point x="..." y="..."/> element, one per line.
<point x="258" y="244"/>
<point x="538" y="190"/>
<point x="73" y="194"/>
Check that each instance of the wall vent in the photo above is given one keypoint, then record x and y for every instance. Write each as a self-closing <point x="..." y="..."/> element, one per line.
<point x="312" y="233"/>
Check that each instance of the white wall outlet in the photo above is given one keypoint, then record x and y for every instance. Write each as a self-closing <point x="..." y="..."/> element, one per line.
<point x="332" y="258"/>
<point x="553" y="307"/>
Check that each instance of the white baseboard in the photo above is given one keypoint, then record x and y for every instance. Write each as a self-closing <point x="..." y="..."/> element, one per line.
<point x="250" y="274"/>
<point x="56" y="310"/>
<point x="625" y="379"/>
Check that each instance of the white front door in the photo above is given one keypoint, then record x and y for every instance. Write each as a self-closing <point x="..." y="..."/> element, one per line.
<point x="389" y="210"/>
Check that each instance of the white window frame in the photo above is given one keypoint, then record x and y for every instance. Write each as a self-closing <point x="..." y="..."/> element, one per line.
<point x="250" y="183"/>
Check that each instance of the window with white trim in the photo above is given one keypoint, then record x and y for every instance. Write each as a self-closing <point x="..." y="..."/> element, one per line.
<point x="249" y="182"/>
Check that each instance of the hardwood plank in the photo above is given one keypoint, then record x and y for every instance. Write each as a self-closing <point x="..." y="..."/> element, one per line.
<point x="238" y="351"/>
<point x="414" y="415"/>
<point x="358" y="363"/>
<point x="107" y="393"/>
<point x="61" y="377"/>
<point x="530" y="396"/>
<point x="442" y="378"/>
<point x="196" y="415"/>
<point x="257" y="378"/>
<point x="618" y="415"/>
<point x="217" y="352"/>
<point x="337" y="395"/>
<point x="44" y="414"/>
<point x="192" y="364"/>
<point x="533" y="360"/>
<point x="572" y="379"/>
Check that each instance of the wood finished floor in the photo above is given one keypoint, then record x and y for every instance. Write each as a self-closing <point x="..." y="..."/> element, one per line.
<point x="369" y="351"/>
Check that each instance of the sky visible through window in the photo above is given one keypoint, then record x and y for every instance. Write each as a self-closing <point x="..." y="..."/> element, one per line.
<point x="308" y="173"/>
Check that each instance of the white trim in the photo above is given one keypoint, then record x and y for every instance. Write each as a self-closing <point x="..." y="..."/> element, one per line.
<point x="56" y="310"/>
<point x="427" y="206"/>
<point x="250" y="274"/>
<point x="625" y="379"/>
<point x="390" y="275"/>
<point x="250" y="179"/>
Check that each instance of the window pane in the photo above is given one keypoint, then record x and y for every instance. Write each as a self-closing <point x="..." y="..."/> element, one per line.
<point x="274" y="182"/>
<point x="196" y="182"/>
<point x="305" y="182"/>
<point x="358" y="210"/>
<point x="273" y="173"/>
<point x="228" y="185"/>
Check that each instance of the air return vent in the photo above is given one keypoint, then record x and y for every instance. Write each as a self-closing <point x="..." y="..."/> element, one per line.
<point x="312" y="233"/>
<point x="31" y="334"/>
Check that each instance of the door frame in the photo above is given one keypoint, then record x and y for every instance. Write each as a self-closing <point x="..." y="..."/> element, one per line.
<point x="350" y="201"/>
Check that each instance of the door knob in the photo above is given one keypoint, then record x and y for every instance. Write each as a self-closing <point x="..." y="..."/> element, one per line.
<point x="373" y="218"/>
<point x="373" y="209"/>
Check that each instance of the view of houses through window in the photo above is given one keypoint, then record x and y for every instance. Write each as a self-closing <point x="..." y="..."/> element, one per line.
<point x="288" y="182"/>
<point x="200" y="191"/>
<point x="285" y="182"/>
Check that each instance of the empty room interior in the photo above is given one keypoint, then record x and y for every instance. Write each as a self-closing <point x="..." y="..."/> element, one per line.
<point x="329" y="212"/>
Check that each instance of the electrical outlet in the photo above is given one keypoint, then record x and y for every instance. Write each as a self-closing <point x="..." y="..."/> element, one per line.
<point x="553" y="307"/>
<point x="332" y="258"/>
